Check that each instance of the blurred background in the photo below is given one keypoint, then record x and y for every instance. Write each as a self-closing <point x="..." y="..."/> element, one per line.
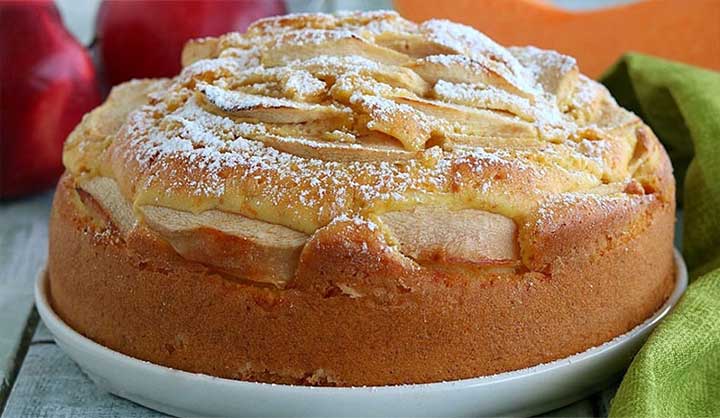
<point x="79" y="15"/>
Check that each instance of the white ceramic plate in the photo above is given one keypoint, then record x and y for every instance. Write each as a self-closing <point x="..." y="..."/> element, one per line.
<point x="517" y="393"/>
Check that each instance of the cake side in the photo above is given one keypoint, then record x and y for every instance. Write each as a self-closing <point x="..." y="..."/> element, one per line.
<point x="139" y="297"/>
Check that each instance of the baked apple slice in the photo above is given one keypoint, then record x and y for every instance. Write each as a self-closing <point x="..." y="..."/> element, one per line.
<point x="106" y="194"/>
<point x="309" y="43"/>
<point x="268" y="109"/>
<point x="412" y="44"/>
<point x="479" y="122"/>
<point x="442" y="235"/>
<point x="329" y="67"/>
<point x="464" y="69"/>
<point x="242" y="247"/>
<point x="371" y="147"/>
<point x="245" y="248"/>
<point x="556" y="73"/>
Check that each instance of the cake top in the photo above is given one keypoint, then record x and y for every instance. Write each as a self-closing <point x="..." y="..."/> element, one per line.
<point x="307" y="118"/>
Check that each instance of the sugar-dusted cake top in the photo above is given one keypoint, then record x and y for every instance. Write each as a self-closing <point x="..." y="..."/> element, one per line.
<point x="306" y="118"/>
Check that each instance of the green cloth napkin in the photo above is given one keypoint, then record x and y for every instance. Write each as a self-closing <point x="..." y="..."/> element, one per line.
<point x="677" y="372"/>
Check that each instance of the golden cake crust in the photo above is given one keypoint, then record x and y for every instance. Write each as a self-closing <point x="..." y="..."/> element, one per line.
<point x="140" y="298"/>
<point x="357" y="199"/>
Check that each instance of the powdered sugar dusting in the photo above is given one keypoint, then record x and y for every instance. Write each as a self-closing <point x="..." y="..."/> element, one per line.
<point x="274" y="138"/>
<point x="233" y="101"/>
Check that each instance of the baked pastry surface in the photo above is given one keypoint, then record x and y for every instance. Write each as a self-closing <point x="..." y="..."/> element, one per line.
<point x="357" y="199"/>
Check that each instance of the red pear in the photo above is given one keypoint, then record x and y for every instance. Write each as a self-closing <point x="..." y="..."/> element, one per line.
<point x="47" y="83"/>
<point x="144" y="38"/>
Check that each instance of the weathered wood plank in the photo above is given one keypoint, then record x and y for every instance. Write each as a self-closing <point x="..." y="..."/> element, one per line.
<point x="42" y="334"/>
<point x="51" y="385"/>
<point x="23" y="252"/>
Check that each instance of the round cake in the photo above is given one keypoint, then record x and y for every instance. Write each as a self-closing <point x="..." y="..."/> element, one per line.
<point x="357" y="199"/>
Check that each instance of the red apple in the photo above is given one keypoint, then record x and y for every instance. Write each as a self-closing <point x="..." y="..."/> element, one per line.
<point x="144" y="38"/>
<point x="47" y="83"/>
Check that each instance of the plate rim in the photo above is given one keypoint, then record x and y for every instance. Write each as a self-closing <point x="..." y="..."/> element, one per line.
<point x="54" y="322"/>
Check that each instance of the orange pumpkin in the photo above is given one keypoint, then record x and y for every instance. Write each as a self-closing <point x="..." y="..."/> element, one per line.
<point x="682" y="30"/>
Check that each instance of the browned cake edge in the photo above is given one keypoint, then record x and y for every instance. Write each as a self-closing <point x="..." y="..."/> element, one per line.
<point x="138" y="297"/>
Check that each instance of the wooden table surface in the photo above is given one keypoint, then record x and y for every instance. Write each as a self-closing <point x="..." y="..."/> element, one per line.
<point x="38" y="379"/>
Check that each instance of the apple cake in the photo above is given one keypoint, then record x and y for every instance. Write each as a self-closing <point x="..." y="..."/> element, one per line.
<point x="357" y="199"/>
